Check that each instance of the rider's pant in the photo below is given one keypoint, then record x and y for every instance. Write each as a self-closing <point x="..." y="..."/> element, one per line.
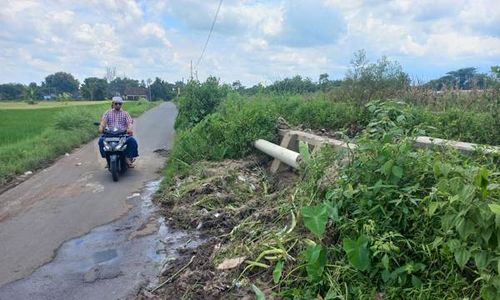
<point x="131" y="151"/>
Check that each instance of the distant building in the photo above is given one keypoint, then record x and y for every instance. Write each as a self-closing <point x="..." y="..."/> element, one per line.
<point x="134" y="93"/>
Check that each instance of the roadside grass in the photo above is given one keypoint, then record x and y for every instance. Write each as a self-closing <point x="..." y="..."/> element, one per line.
<point x="30" y="139"/>
<point x="238" y="120"/>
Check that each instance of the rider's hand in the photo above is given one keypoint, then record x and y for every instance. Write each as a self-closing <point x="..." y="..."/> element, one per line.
<point x="130" y="132"/>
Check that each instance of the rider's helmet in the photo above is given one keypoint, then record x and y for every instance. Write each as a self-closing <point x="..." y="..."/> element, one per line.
<point x="117" y="99"/>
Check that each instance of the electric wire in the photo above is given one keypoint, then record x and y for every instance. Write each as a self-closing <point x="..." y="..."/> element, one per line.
<point x="209" y="35"/>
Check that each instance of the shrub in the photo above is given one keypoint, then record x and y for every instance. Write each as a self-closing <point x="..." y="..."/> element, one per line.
<point x="142" y="101"/>
<point x="198" y="100"/>
<point x="73" y="118"/>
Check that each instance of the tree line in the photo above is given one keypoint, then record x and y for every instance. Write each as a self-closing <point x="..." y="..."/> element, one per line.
<point x="65" y="86"/>
<point x="368" y="80"/>
<point x="365" y="80"/>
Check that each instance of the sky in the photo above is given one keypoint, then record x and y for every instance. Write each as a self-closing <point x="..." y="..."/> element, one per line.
<point x="253" y="41"/>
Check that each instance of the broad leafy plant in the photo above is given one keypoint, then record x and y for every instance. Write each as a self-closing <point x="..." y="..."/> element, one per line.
<point x="406" y="222"/>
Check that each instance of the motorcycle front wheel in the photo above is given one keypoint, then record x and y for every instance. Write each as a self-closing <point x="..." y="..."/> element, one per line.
<point x="113" y="168"/>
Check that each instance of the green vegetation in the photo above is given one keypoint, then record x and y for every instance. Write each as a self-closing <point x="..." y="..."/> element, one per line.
<point x="398" y="222"/>
<point x="30" y="138"/>
<point x="63" y="86"/>
<point x="385" y="221"/>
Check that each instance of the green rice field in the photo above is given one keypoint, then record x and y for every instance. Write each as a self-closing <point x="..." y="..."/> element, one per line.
<point x="33" y="135"/>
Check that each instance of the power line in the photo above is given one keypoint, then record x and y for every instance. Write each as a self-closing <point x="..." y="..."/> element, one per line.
<point x="209" y="34"/>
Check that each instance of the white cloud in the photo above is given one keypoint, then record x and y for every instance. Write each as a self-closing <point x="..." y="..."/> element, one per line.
<point x="252" y="41"/>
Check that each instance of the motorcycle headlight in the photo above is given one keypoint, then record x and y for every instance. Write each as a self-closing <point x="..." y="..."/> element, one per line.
<point x="107" y="147"/>
<point x="120" y="145"/>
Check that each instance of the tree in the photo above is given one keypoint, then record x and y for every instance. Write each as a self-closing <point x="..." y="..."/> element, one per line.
<point x="162" y="90"/>
<point x="237" y="86"/>
<point x="118" y="86"/>
<point x="60" y="82"/>
<point x="110" y="74"/>
<point x="11" y="91"/>
<point x="199" y="100"/>
<point x="462" y="79"/>
<point x="94" y="88"/>
<point x="495" y="71"/>
<point x="366" y="81"/>
<point x="32" y="92"/>
<point x="294" y="85"/>
<point x="325" y="84"/>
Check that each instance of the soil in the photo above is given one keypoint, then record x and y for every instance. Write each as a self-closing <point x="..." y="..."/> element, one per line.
<point x="213" y="199"/>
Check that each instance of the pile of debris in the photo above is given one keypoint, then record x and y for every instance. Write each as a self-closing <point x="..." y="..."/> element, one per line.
<point x="213" y="200"/>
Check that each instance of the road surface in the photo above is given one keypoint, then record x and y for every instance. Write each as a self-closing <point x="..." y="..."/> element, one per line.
<point x="73" y="196"/>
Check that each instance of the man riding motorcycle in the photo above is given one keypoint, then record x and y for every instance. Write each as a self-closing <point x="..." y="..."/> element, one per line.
<point x="120" y="119"/>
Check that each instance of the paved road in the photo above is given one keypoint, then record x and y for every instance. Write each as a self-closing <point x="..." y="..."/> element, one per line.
<point x="68" y="200"/>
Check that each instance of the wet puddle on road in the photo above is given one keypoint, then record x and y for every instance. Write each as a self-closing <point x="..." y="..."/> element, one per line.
<point x="110" y="262"/>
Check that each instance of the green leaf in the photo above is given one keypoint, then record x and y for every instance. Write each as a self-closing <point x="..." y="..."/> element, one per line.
<point x="316" y="257"/>
<point x="436" y="168"/>
<point x="465" y="228"/>
<point x="495" y="208"/>
<point x="385" y="261"/>
<point x="258" y="293"/>
<point x="438" y="241"/>
<point x="387" y="167"/>
<point x="330" y="295"/>
<point x="416" y="282"/>
<point x="493" y="186"/>
<point x="397" y="171"/>
<point x="277" y="271"/>
<point x="481" y="178"/>
<point x="462" y="256"/>
<point x="489" y="292"/>
<point x="386" y="275"/>
<point x="357" y="252"/>
<point x="315" y="218"/>
<point x="333" y="211"/>
<point x="468" y="193"/>
<point x="304" y="151"/>
<point x="453" y="244"/>
<point x="481" y="260"/>
<point x="433" y="206"/>
<point x="486" y="234"/>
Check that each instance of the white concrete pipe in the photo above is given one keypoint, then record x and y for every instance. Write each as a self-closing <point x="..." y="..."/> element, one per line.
<point x="285" y="155"/>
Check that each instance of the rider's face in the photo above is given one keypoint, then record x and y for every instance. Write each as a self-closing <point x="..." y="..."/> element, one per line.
<point x="117" y="106"/>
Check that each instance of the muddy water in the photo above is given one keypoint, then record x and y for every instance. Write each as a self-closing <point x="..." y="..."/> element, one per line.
<point x="110" y="262"/>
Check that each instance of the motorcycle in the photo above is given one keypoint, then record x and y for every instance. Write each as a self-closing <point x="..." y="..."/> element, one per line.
<point x="114" y="149"/>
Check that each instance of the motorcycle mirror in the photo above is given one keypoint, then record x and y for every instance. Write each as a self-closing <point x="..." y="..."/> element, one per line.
<point x="97" y="123"/>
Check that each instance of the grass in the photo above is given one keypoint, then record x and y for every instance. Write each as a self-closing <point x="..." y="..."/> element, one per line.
<point x="45" y="104"/>
<point x="30" y="138"/>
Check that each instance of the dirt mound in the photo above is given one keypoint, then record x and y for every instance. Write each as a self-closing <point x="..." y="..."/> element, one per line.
<point x="218" y="199"/>
<point x="213" y="197"/>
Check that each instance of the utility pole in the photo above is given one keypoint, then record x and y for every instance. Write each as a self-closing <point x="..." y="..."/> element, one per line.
<point x="149" y="87"/>
<point x="191" y="76"/>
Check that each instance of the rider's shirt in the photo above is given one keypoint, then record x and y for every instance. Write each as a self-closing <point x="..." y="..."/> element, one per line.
<point x="119" y="119"/>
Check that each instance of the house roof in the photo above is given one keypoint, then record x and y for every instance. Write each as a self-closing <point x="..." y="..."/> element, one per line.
<point x="136" y="91"/>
